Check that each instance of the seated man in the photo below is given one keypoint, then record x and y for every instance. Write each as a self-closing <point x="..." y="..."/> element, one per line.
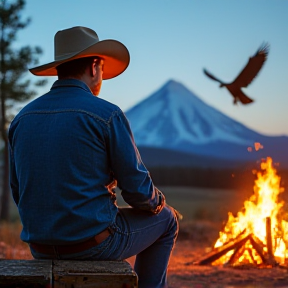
<point x="69" y="150"/>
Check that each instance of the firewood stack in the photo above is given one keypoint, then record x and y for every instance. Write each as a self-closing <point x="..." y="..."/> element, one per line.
<point x="239" y="247"/>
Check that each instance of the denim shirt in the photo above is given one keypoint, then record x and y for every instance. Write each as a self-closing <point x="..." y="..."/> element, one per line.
<point x="67" y="149"/>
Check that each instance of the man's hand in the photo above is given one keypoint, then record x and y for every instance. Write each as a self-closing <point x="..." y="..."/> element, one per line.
<point x="178" y="214"/>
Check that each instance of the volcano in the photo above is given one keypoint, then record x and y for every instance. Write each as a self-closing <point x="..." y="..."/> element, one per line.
<point x="174" y="127"/>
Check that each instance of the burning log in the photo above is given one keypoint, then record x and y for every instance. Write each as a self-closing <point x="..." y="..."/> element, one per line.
<point x="271" y="259"/>
<point x="258" y="246"/>
<point x="268" y="237"/>
<point x="239" y="246"/>
<point x="235" y="239"/>
<point x="250" y="251"/>
<point x="220" y="251"/>
<point x="238" y="252"/>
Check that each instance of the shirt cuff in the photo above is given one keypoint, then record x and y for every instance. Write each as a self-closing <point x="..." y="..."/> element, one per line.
<point x="161" y="202"/>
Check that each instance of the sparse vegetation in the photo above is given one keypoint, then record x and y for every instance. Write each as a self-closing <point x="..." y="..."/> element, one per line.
<point x="11" y="246"/>
<point x="200" y="207"/>
<point x="204" y="211"/>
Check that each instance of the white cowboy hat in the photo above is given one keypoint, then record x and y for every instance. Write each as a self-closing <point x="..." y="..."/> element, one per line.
<point x="78" y="42"/>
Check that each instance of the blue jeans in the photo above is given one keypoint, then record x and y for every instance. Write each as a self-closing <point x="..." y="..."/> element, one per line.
<point x="150" y="237"/>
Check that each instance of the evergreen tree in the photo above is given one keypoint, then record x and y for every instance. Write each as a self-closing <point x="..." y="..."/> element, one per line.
<point x="14" y="83"/>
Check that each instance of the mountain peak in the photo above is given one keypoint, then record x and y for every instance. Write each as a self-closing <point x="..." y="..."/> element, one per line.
<point x="172" y="84"/>
<point x="175" y="116"/>
<point x="179" y="95"/>
<point x="176" y="88"/>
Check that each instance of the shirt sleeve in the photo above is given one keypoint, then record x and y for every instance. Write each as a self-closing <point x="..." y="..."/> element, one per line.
<point x="131" y="174"/>
<point x="13" y="178"/>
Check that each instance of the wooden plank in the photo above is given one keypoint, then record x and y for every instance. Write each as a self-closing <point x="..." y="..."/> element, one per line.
<point x="25" y="273"/>
<point x="98" y="274"/>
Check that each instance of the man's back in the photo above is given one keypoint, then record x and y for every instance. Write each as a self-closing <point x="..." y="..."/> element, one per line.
<point x="59" y="143"/>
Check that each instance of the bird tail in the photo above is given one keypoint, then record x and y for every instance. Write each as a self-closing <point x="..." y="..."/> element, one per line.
<point x="243" y="98"/>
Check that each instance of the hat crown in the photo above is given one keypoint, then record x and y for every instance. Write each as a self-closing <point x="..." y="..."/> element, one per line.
<point x="70" y="42"/>
<point x="78" y="42"/>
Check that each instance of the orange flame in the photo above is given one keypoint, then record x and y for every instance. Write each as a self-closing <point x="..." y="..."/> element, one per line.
<point x="252" y="219"/>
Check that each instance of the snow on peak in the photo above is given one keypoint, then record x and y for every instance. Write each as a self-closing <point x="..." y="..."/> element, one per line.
<point x="174" y="115"/>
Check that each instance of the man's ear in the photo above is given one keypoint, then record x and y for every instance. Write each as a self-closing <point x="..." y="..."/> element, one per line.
<point x="92" y="70"/>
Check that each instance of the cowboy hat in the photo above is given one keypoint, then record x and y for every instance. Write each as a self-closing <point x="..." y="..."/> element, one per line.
<point x="78" y="42"/>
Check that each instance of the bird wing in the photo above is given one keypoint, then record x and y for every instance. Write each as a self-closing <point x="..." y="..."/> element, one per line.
<point x="253" y="66"/>
<point x="212" y="76"/>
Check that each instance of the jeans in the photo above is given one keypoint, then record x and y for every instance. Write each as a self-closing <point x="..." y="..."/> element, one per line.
<point x="150" y="237"/>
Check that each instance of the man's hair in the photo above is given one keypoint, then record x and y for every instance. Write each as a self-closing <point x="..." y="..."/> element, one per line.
<point x="74" y="68"/>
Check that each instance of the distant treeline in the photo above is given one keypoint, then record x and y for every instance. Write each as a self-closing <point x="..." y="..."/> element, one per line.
<point x="208" y="178"/>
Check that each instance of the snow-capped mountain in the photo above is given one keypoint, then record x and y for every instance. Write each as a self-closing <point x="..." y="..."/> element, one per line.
<point x="175" y="119"/>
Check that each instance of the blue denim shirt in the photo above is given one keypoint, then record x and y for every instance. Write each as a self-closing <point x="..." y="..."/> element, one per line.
<point x="66" y="149"/>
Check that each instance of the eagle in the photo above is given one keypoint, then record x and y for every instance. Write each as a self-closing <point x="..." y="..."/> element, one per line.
<point x="246" y="76"/>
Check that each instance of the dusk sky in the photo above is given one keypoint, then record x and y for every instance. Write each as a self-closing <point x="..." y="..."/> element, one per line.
<point x="176" y="40"/>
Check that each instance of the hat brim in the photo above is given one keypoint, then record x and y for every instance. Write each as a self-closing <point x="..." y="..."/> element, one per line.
<point x="115" y="55"/>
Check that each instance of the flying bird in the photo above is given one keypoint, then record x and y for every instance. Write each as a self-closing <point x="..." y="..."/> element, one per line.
<point x="246" y="76"/>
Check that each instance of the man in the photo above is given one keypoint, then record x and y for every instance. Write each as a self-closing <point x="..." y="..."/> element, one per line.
<point x="69" y="150"/>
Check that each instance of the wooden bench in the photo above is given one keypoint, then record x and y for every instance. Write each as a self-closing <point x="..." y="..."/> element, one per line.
<point x="66" y="274"/>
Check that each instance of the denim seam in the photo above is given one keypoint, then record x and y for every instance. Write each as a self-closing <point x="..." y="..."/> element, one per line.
<point x="114" y="113"/>
<point x="127" y="243"/>
<point x="150" y="226"/>
<point x="139" y="230"/>
<point x="96" y="117"/>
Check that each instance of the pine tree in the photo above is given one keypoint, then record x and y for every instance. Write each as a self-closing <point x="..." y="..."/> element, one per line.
<point x="14" y="83"/>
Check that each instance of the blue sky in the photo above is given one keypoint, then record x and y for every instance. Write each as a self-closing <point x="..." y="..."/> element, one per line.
<point x="169" y="39"/>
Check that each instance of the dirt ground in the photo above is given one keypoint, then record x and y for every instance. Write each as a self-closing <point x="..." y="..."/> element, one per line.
<point x="194" y="240"/>
<point x="204" y="211"/>
<point x="193" y="243"/>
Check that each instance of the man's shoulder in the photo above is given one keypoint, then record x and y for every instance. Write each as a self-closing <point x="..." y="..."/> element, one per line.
<point x="24" y="110"/>
<point x="69" y="101"/>
<point x="104" y="103"/>
<point x="100" y="108"/>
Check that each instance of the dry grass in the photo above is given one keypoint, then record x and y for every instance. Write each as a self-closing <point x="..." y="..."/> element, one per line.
<point x="205" y="211"/>
<point x="11" y="246"/>
<point x="201" y="208"/>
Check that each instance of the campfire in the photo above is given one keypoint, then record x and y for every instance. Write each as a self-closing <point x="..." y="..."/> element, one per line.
<point x="258" y="235"/>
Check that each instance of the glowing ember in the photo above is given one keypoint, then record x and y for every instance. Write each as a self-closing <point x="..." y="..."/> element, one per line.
<point x="263" y="205"/>
<point x="258" y="146"/>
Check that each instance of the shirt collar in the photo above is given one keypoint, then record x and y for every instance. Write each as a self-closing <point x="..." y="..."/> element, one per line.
<point x="70" y="83"/>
